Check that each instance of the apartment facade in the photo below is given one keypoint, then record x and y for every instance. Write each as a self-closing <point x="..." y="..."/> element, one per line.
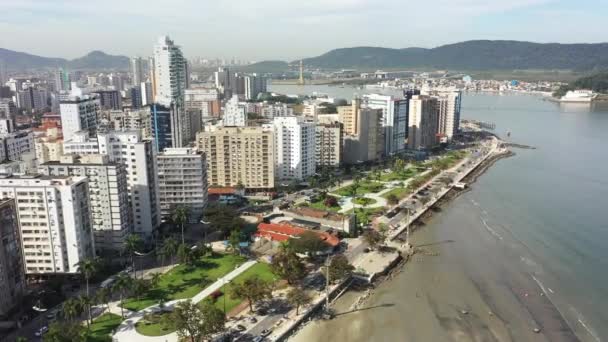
<point x="108" y="195"/>
<point x="295" y="147"/>
<point x="15" y="144"/>
<point x="235" y="113"/>
<point x="328" y="145"/>
<point x="12" y="272"/>
<point x="394" y="120"/>
<point x="54" y="219"/>
<point x="79" y="113"/>
<point x="239" y="155"/>
<point x="182" y="181"/>
<point x="423" y="122"/>
<point x="367" y="142"/>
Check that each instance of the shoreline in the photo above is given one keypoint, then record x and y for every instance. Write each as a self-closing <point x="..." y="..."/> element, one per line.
<point x="540" y="311"/>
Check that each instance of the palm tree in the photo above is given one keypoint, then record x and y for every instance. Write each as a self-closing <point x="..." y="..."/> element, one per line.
<point x="155" y="279"/>
<point x="88" y="267"/>
<point x="170" y="248"/>
<point x="180" y="216"/>
<point x="72" y="308"/>
<point x="103" y="296"/>
<point x="87" y="302"/>
<point x="121" y="285"/>
<point x="132" y="243"/>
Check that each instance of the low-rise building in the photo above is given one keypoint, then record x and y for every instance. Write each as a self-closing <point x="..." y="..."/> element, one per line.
<point x="282" y="232"/>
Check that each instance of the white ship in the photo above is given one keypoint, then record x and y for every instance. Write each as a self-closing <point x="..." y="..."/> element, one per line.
<point x="585" y="96"/>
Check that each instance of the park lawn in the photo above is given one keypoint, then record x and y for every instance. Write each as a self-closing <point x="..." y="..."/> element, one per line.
<point x="154" y="328"/>
<point x="185" y="281"/>
<point x="364" y="201"/>
<point x="321" y="206"/>
<point x="260" y="269"/>
<point x="364" y="214"/>
<point x="102" y="327"/>
<point x="399" y="192"/>
<point x="365" y="187"/>
<point x="398" y="176"/>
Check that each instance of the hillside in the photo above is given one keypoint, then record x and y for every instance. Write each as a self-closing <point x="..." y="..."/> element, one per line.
<point x="470" y="55"/>
<point x="598" y="82"/>
<point x="264" y="67"/>
<point x="19" y="61"/>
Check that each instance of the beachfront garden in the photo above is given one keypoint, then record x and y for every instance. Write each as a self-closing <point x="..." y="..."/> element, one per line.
<point x="360" y="188"/>
<point x="102" y="327"/>
<point x="185" y="281"/>
<point x="364" y="201"/>
<point x="159" y="324"/>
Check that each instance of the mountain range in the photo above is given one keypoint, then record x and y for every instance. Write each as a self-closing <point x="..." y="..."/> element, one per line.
<point x="95" y="60"/>
<point x="470" y="55"/>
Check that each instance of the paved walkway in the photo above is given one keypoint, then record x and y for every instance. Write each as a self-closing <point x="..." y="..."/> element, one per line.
<point x="126" y="330"/>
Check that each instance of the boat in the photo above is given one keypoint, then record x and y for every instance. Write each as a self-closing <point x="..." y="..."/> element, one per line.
<point x="578" y="96"/>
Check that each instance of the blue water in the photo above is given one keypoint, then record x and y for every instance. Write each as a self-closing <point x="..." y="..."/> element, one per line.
<point x="553" y="201"/>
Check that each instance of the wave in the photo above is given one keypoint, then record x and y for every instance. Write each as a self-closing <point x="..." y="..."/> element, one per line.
<point x="489" y="229"/>
<point x="581" y="321"/>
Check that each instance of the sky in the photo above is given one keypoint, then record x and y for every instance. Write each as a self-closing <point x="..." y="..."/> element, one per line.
<point x="287" y="29"/>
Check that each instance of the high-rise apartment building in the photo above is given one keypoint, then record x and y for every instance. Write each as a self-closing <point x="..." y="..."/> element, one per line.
<point x="137" y="70"/>
<point x="109" y="99"/>
<point x="239" y="155"/>
<point x="394" y="120"/>
<point x="254" y="85"/>
<point x="147" y="97"/>
<point x="32" y="99"/>
<point x="449" y="105"/>
<point x="205" y="100"/>
<point x="12" y="275"/>
<point x="295" y="147"/>
<point x="328" y="145"/>
<point x="138" y="154"/>
<point x="235" y="113"/>
<point x="423" y="122"/>
<point x="49" y="145"/>
<point x="15" y="144"/>
<point x="182" y="181"/>
<point x="366" y="142"/>
<point x="54" y="221"/>
<point x="108" y="195"/>
<point x="169" y="73"/>
<point x="79" y="113"/>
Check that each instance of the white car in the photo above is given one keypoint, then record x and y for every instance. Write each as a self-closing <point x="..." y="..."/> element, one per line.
<point x="42" y="331"/>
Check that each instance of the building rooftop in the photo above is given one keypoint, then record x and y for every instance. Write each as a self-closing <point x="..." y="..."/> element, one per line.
<point x="283" y="232"/>
<point x="316" y="213"/>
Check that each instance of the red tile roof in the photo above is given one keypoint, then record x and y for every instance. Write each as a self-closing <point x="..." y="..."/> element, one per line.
<point x="283" y="232"/>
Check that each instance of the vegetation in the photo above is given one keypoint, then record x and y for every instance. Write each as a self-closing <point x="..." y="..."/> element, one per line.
<point x="253" y="289"/>
<point x="185" y="281"/>
<point x="65" y="331"/>
<point x="102" y="328"/>
<point x="597" y="82"/>
<point x="364" y="201"/>
<point x="87" y="268"/>
<point x="287" y="265"/>
<point x="298" y="297"/>
<point x="309" y="242"/>
<point x="360" y="188"/>
<point x="155" y="324"/>
<point x="234" y="241"/>
<point x="393" y="196"/>
<point x="373" y="238"/>
<point x="197" y="323"/>
<point x="224" y="219"/>
<point x="180" y="216"/>
<point x="340" y="268"/>
<point x="132" y="244"/>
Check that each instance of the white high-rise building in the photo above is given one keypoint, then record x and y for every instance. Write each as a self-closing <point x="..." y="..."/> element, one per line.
<point x="394" y="120"/>
<point x="138" y="154"/>
<point x="146" y="93"/>
<point x="54" y="219"/>
<point x="79" y="113"/>
<point x="108" y="195"/>
<point x="235" y="113"/>
<point x="295" y="147"/>
<point x="137" y="70"/>
<point x="423" y="120"/>
<point x="254" y="85"/>
<point x="182" y="181"/>
<point x="169" y="72"/>
<point x="15" y="144"/>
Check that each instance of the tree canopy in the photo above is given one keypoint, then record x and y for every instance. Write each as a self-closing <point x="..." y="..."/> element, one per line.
<point x="308" y="242"/>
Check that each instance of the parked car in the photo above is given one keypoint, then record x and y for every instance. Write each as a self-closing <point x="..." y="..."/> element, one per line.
<point x="265" y="332"/>
<point x="258" y="339"/>
<point x="253" y="320"/>
<point x="241" y="327"/>
<point x="42" y="331"/>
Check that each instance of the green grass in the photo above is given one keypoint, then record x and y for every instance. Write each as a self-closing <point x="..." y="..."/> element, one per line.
<point x="399" y="192"/>
<point x="321" y="206"/>
<point x="185" y="281"/>
<point x="260" y="269"/>
<point x="102" y="327"/>
<point x="365" y="187"/>
<point x="366" y="214"/>
<point x="364" y="201"/>
<point x="152" y="326"/>
<point x="398" y="176"/>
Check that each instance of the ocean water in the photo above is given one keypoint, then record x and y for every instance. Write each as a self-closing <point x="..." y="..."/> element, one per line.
<point x="541" y="215"/>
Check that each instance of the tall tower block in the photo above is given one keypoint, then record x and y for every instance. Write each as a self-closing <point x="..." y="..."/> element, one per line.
<point x="301" y="80"/>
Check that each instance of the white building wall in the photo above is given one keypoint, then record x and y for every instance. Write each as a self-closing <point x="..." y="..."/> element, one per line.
<point x="235" y="114"/>
<point x="295" y="147"/>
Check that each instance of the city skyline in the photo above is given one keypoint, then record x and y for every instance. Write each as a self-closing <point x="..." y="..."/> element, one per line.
<point x="243" y="28"/>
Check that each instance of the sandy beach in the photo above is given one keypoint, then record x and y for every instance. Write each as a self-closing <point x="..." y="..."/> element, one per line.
<point x="469" y="286"/>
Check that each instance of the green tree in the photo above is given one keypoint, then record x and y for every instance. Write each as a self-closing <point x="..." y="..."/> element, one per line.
<point x="197" y="323"/>
<point x="223" y="219"/>
<point x="340" y="268"/>
<point x="139" y="287"/>
<point x="287" y="265"/>
<point x="180" y="216"/>
<point x="155" y="279"/>
<point x="185" y="255"/>
<point x="132" y="244"/>
<point x="253" y="289"/>
<point x="64" y="331"/>
<point x="234" y="241"/>
<point x="72" y="308"/>
<point x="169" y="248"/>
<point x="88" y="268"/>
<point x="399" y="166"/>
<point x="87" y="302"/>
<point x="372" y="237"/>
<point x="103" y="296"/>
<point x="122" y="285"/>
<point x="298" y="297"/>
<point x="392" y="199"/>
<point x="308" y="242"/>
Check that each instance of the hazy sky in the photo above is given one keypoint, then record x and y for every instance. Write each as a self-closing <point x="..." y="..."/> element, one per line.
<point x="287" y="29"/>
